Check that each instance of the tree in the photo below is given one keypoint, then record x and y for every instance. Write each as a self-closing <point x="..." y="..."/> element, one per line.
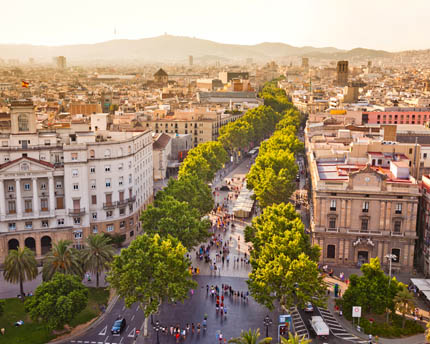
<point x="295" y="339"/>
<point x="372" y="291"/>
<point x="2" y="304"/>
<point x="115" y="239"/>
<point x="404" y="302"/>
<point x="235" y="135"/>
<point x="272" y="177"/>
<point x="62" y="258"/>
<point x="175" y="218"/>
<point x="196" y="165"/>
<point x="250" y="337"/>
<point x="56" y="302"/>
<point x="190" y="189"/>
<point x="20" y="266"/>
<point x="213" y="152"/>
<point x="150" y="271"/>
<point x="97" y="254"/>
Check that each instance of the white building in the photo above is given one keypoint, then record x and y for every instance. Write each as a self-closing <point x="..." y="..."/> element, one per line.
<point x="68" y="184"/>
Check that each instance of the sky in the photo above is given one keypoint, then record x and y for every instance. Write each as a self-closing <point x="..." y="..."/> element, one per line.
<point x="392" y="25"/>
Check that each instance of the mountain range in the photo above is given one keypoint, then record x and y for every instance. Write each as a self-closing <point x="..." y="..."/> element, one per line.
<point x="176" y="49"/>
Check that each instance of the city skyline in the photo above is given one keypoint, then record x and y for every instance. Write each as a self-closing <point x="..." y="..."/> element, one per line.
<point x="311" y="23"/>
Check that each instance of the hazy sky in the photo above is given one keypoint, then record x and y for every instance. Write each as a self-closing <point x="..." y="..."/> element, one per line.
<point x="378" y="24"/>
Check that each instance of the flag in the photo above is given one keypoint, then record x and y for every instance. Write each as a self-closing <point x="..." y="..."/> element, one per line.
<point x="25" y="84"/>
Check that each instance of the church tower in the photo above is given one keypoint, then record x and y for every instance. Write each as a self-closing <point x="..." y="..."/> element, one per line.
<point x="22" y="116"/>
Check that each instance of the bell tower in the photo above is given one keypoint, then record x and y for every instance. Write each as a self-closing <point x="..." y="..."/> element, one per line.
<point x="22" y="116"/>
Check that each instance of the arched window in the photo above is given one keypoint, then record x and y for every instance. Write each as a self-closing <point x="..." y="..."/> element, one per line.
<point x="331" y="251"/>
<point x="92" y="154"/>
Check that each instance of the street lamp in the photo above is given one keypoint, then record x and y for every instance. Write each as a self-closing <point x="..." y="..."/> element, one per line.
<point x="267" y="322"/>
<point x="157" y="328"/>
<point x="390" y="257"/>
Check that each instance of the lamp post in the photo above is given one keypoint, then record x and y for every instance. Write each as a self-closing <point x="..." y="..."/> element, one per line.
<point x="157" y="328"/>
<point x="390" y="257"/>
<point x="267" y="322"/>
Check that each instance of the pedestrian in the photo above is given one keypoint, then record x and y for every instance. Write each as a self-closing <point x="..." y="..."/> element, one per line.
<point x="171" y="330"/>
<point x="188" y="328"/>
<point x="192" y="327"/>
<point x="220" y="337"/>
<point x="225" y="310"/>
<point x="207" y="289"/>
<point x="192" y="292"/>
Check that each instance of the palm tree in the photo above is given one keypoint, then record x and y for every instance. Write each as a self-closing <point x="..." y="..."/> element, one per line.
<point x="62" y="258"/>
<point x="294" y="339"/>
<point x="404" y="303"/>
<point x="97" y="254"/>
<point x="250" y="337"/>
<point x="20" y="266"/>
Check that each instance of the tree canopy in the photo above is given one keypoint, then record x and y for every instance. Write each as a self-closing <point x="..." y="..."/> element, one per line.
<point x="178" y="219"/>
<point x="150" y="271"/>
<point x="57" y="301"/>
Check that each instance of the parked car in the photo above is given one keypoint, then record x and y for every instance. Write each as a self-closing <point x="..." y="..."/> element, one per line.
<point x="309" y="308"/>
<point x="118" y="326"/>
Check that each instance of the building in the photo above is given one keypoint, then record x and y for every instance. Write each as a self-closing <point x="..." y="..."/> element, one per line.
<point x="305" y="63"/>
<point x="162" y="151"/>
<point x="69" y="184"/>
<point x="84" y="109"/>
<point x="226" y="77"/>
<point x="161" y="77"/>
<point x="397" y="115"/>
<point x="423" y="245"/>
<point x="61" y="62"/>
<point x="342" y="73"/>
<point x="190" y="60"/>
<point x="364" y="201"/>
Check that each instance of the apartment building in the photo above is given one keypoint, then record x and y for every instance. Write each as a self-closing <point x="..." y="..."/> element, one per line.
<point x="397" y="116"/>
<point x="69" y="184"/>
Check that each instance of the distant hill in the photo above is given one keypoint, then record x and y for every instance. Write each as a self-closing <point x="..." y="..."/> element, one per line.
<point x="173" y="49"/>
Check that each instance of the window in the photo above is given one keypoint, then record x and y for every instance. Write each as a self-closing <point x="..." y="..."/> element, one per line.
<point x="331" y="251"/>
<point x="410" y="150"/>
<point x="398" y="208"/>
<point x="107" y="153"/>
<point x="397" y="226"/>
<point x="131" y="222"/>
<point x="122" y="211"/>
<point x="94" y="215"/>
<point x="95" y="229"/>
<point x="109" y="228"/>
<point x="131" y="233"/>
<point x="77" y="220"/>
<point x="365" y="207"/>
<point x="92" y="154"/>
<point x="75" y="173"/>
<point x="44" y="204"/>
<point x="333" y="205"/>
<point x="109" y="213"/>
<point x="76" y="186"/>
<point x="364" y="225"/>
<point x="59" y="185"/>
<point x="396" y="252"/>
<point x="121" y="180"/>
<point x="74" y="156"/>
<point x="78" y="234"/>
<point x="92" y="169"/>
<point x="23" y="122"/>
<point x="107" y="182"/>
<point x="130" y="178"/>
<point x="28" y="206"/>
<point x="107" y="168"/>
<point x="60" y="222"/>
<point x="28" y="225"/>
<point x="129" y="164"/>
<point x="93" y="199"/>
<point x="27" y="187"/>
<point x="122" y="224"/>
<point x="425" y="155"/>
<point x="12" y="226"/>
<point x="47" y="143"/>
<point x="332" y="222"/>
<point x="93" y="184"/>
<point x="10" y="188"/>
<point x="4" y="143"/>
<point x="43" y="186"/>
<point x="120" y="166"/>
<point x="45" y="224"/>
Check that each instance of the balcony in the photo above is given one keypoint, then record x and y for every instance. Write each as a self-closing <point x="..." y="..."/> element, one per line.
<point x="132" y="199"/>
<point x="77" y="212"/>
<point x="122" y="202"/>
<point x="363" y="232"/>
<point x="109" y="205"/>
<point x="397" y="234"/>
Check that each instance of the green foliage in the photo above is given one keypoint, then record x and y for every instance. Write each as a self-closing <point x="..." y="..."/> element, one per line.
<point x="284" y="264"/>
<point x="20" y="266"/>
<point x="189" y="189"/>
<point x="295" y="339"/>
<point x="236" y="135"/>
<point x="96" y="298"/>
<point x="404" y="302"/>
<point x="2" y="304"/>
<point x="272" y="177"/>
<point x="175" y="218"/>
<point x="97" y="254"/>
<point x="62" y="258"/>
<point x="371" y="290"/>
<point x="275" y="97"/>
<point x="250" y="337"/>
<point x="115" y="239"/>
<point x="196" y="166"/>
<point x="150" y="271"/>
<point x="57" y="301"/>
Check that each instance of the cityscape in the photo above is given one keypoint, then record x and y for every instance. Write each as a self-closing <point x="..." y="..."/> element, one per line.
<point x="184" y="172"/>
